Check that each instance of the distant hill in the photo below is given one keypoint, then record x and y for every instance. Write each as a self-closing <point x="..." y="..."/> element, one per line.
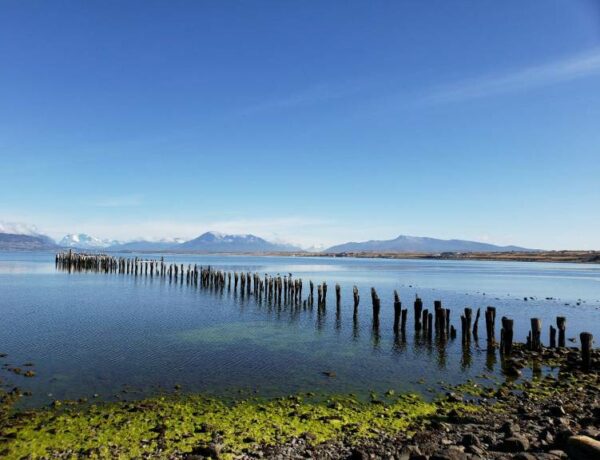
<point x="19" y="242"/>
<point x="218" y="242"/>
<point x="144" y="245"/>
<point x="421" y="244"/>
<point x="84" y="241"/>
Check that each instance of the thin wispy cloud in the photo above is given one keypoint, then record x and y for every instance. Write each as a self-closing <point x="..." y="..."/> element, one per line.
<point x="315" y="94"/>
<point x="579" y="66"/>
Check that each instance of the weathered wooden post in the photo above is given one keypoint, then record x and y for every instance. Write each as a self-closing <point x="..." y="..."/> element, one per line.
<point x="429" y="325"/>
<point x="356" y="297"/>
<point x="442" y="331"/>
<point x="418" y="310"/>
<point x="536" y="334"/>
<point x="490" y="325"/>
<point x="465" y="322"/>
<point x="476" y="324"/>
<point x="587" y="340"/>
<point x="506" y="336"/>
<point x="424" y="321"/>
<point x="561" y="324"/>
<point x="397" y="311"/>
<point x="376" y="306"/>
<point x="404" y="316"/>
<point x="338" y="296"/>
<point x="437" y="308"/>
<point x="552" y="337"/>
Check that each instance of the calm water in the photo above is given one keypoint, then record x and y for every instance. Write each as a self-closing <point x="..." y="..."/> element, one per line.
<point x="92" y="333"/>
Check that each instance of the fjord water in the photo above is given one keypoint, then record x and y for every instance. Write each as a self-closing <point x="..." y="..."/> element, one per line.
<point x="118" y="336"/>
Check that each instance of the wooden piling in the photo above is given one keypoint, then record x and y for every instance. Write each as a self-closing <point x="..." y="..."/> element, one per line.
<point x="418" y="307"/>
<point x="397" y="311"/>
<point x="376" y="306"/>
<point x="465" y="321"/>
<point x="429" y="326"/>
<point x="403" y="319"/>
<point x="437" y="308"/>
<point x="490" y="325"/>
<point x="536" y="334"/>
<point x="587" y="340"/>
<point x="506" y="336"/>
<point x="476" y="324"/>
<point x="561" y="325"/>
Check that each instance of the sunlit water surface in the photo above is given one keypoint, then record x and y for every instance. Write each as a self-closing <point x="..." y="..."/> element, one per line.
<point x="118" y="336"/>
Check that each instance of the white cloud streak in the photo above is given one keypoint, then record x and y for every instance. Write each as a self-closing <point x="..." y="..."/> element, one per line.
<point x="579" y="66"/>
<point x="316" y="94"/>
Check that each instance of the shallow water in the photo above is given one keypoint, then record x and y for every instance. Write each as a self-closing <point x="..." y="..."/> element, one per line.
<point x="111" y="334"/>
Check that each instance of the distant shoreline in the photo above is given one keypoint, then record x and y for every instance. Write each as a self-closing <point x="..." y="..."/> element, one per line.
<point x="534" y="256"/>
<point x="592" y="257"/>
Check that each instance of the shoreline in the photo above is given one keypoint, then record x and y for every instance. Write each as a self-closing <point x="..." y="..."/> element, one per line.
<point x="551" y="416"/>
<point x="591" y="257"/>
<point x="583" y="257"/>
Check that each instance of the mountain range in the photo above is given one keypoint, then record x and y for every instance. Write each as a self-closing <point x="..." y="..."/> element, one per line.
<point x="414" y="244"/>
<point x="83" y="241"/>
<point x="214" y="242"/>
<point x="22" y="242"/>
<point x="218" y="242"/>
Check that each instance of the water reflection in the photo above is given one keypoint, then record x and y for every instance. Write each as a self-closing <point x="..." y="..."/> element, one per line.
<point x="201" y="329"/>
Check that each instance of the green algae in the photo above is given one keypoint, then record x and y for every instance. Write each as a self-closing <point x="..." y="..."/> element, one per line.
<point x="261" y="333"/>
<point x="177" y="424"/>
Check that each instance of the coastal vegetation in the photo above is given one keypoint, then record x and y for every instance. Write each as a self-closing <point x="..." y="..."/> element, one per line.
<point x="554" y="412"/>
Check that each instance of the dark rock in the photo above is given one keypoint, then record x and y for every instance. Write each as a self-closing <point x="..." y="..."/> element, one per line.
<point x="452" y="453"/>
<point x="524" y="456"/>
<point x="583" y="448"/>
<point x="513" y="444"/>
<point x="453" y="397"/>
<point x="359" y="454"/>
<point x="470" y="439"/>
<point x="509" y="428"/>
<point x="476" y="450"/>
<point x="562" y="436"/>
<point x="213" y="450"/>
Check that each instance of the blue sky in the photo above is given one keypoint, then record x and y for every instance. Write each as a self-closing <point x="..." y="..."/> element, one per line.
<point x="309" y="122"/>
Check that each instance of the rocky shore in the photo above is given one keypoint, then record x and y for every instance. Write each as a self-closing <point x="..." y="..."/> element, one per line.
<point x="547" y="418"/>
<point x="554" y="415"/>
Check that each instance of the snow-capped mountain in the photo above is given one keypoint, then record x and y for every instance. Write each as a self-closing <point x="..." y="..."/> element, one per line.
<point x="219" y="242"/>
<point x="148" y="245"/>
<point x="84" y="241"/>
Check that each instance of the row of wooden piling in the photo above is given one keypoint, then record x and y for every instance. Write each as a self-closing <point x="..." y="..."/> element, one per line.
<point x="289" y="290"/>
